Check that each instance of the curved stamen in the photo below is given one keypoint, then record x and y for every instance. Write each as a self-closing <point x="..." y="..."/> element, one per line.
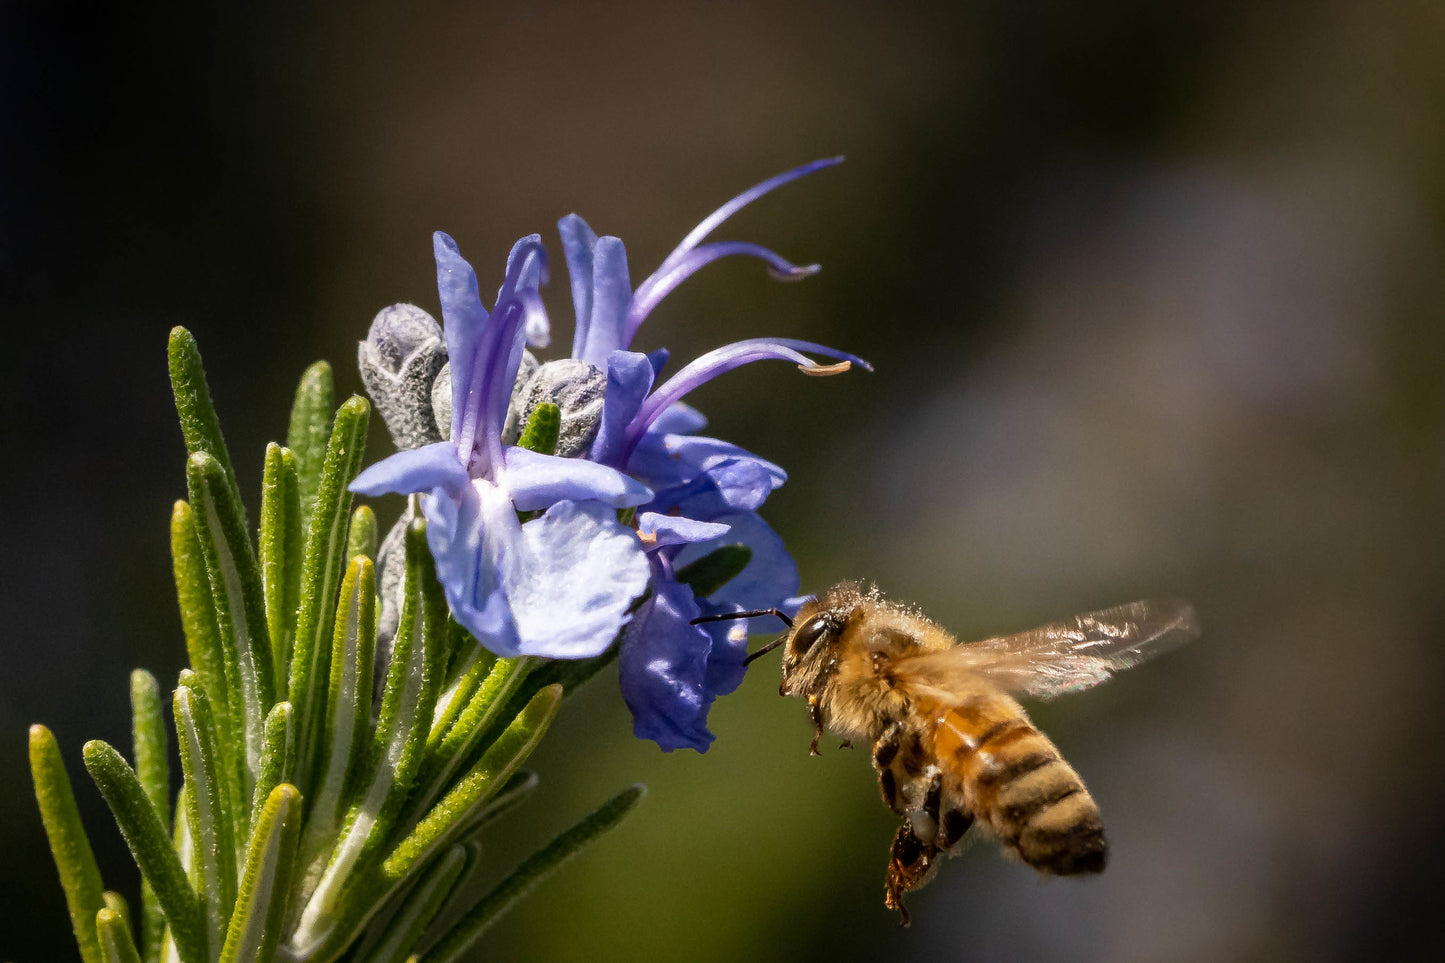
<point x="711" y="222"/>
<point x="663" y="282"/>
<point x="720" y="360"/>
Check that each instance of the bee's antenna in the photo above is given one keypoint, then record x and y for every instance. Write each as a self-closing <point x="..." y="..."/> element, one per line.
<point x="748" y="615"/>
<point x="766" y="649"/>
<point x="744" y="615"/>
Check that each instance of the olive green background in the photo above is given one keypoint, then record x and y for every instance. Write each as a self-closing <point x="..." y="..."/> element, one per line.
<point x="1154" y="291"/>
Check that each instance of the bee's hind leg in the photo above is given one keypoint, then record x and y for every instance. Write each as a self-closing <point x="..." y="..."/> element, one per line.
<point x="911" y="864"/>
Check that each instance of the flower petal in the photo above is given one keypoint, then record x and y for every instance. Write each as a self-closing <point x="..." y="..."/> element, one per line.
<point x="611" y="298"/>
<point x="578" y="240"/>
<point x="771" y="575"/>
<point x="663" y="670"/>
<point x="530" y="275"/>
<point x="679" y="419"/>
<point x="665" y="461"/>
<point x="730" y="486"/>
<point x="536" y="481"/>
<point x="418" y="470"/>
<point x="571" y="578"/>
<point x="466" y="535"/>
<point x="629" y="377"/>
<point x="463" y="319"/>
<point x="669" y="530"/>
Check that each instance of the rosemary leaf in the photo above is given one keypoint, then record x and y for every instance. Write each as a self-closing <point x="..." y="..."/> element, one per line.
<point x="149" y="732"/>
<point x="79" y="874"/>
<point x="279" y="542"/>
<point x="270" y="862"/>
<point x="150" y="846"/>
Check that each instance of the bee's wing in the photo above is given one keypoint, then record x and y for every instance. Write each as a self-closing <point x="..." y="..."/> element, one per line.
<point x="1066" y="656"/>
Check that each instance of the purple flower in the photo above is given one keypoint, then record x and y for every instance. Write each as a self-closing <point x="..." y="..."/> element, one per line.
<point x="707" y="490"/>
<point x="559" y="585"/>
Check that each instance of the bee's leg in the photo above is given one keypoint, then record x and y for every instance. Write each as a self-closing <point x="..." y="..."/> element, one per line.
<point x="815" y="712"/>
<point x="952" y="825"/>
<point x="910" y="866"/>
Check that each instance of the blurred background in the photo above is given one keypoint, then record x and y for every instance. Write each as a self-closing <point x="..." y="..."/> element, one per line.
<point x="1156" y="296"/>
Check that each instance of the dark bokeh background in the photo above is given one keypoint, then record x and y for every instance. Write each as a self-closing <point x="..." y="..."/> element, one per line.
<point x="1154" y="290"/>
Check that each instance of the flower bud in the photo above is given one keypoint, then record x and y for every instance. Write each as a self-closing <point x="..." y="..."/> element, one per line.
<point x="574" y="386"/>
<point x="399" y="361"/>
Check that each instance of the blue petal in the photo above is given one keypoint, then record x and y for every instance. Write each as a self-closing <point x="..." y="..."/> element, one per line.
<point x="658" y="357"/>
<point x="670" y="530"/>
<point x="771" y="576"/>
<point x="663" y="670"/>
<point x="417" y="470"/>
<point x="664" y="461"/>
<point x="464" y="535"/>
<point x="725" y="669"/>
<point x="611" y="297"/>
<point x="679" y="419"/>
<point x="536" y="481"/>
<point x="578" y="241"/>
<point x="629" y="377"/>
<point x="463" y="319"/>
<point x="729" y="486"/>
<point x="530" y="275"/>
<point x="571" y="578"/>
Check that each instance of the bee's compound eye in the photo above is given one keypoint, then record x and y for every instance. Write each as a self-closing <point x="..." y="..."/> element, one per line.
<point x="808" y="635"/>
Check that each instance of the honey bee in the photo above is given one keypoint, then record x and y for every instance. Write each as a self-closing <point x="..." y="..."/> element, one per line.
<point x="951" y="747"/>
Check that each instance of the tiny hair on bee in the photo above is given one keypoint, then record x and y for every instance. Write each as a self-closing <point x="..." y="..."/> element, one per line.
<point x="955" y="753"/>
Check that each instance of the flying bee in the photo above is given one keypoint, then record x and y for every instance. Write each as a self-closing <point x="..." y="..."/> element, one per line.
<point x="951" y="746"/>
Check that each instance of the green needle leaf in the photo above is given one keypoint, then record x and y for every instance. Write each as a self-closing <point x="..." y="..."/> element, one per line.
<point x="543" y="426"/>
<point x="310" y="429"/>
<point x="530" y="874"/>
<point x="443" y="824"/>
<point x="151" y="766"/>
<point x="405" y="930"/>
<point x="79" y="875"/>
<point x="237" y="594"/>
<point x="321" y="572"/>
<point x="413" y="678"/>
<point x="199" y="424"/>
<point x="198" y="618"/>
<point x="361" y="537"/>
<point x="447" y="751"/>
<point x="150" y="846"/>
<point x="348" y="710"/>
<point x="116" y="944"/>
<point x="116" y="904"/>
<point x="280" y="554"/>
<point x="207" y="812"/>
<point x="278" y="756"/>
<point x="270" y="861"/>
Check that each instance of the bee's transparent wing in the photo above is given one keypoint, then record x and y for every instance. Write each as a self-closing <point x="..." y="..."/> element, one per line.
<point x="1066" y="656"/>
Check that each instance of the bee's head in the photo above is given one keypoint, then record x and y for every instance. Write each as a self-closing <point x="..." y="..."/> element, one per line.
<point x="808" y="651"/>
<point x="812" y="636"/>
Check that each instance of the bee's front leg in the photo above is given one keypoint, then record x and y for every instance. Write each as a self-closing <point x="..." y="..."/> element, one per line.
<point x="815" y="712"/>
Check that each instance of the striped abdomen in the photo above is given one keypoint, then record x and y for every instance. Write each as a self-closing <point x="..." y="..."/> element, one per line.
<point x="1011" y="778"/>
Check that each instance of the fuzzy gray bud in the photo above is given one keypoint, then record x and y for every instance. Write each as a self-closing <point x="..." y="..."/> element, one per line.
<point x="572" y="385"/>
<point x="399" y="361"/>
<point x="441" y="394"/>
